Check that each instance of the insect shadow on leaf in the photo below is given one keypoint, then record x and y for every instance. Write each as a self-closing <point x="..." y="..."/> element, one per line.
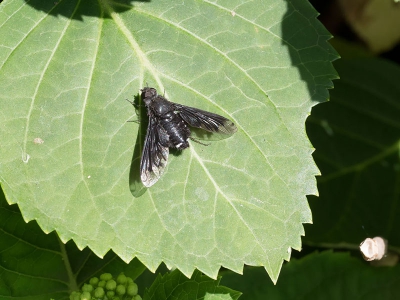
<point x="168" y="127"/>
<point x="135" y="183"/>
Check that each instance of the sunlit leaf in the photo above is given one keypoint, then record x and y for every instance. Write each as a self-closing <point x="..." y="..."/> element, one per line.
<point x="70" y="159"/>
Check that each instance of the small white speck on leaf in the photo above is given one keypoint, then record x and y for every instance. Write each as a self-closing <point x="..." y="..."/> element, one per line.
<point x="38" y="140"/>
<point x="25" y="157"/>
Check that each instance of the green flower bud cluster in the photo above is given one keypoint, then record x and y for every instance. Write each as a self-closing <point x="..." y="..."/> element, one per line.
<point x="108" y="288"/>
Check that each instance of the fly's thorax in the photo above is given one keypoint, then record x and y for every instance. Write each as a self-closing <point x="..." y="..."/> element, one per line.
<point x="161" y="106"/>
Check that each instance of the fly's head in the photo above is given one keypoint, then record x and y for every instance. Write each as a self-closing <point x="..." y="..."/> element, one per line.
<point x="148" y="94"/>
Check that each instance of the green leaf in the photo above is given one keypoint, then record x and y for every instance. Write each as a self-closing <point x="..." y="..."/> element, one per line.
<point x="175" y="285"/>
<point x="356" y="136"/>
<point x="325" y="275"/>
<point x="36" y="266"/>
<point x="69" y="157"/>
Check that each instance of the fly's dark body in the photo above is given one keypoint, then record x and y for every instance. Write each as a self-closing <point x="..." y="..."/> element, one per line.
<point x="169" y="128"/>
<point x="168" y="118"/>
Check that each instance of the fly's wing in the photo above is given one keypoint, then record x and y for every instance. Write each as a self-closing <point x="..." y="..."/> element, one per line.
<point x="206" y="120"/>
<point x="155" y="153"/>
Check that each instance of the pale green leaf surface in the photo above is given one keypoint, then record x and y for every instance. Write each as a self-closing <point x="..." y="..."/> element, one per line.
<point x="70" y="160"/>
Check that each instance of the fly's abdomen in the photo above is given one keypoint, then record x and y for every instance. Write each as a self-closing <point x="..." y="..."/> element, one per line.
<point x="177" y="130"/>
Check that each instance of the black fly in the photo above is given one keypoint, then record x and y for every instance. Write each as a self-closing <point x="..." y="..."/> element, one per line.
<point x="168" y="128"/>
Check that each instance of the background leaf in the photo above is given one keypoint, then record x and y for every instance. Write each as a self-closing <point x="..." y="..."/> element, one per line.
<point x="176" y="286"/>
<point x="356" y="136"/>
<point x="34" y="265"/>
<point x="68" y="156"/>
<point x="325" y="275"/>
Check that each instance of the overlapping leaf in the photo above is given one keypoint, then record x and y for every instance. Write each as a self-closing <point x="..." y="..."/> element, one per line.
<point x="35" y="266"/>
<point x="357" y="140"/>
<point x="325" y="275"/>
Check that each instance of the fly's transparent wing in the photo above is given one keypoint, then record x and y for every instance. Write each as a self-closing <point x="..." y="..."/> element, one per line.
<point x="155" y="153"/>
<point x="206" y="120"/>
